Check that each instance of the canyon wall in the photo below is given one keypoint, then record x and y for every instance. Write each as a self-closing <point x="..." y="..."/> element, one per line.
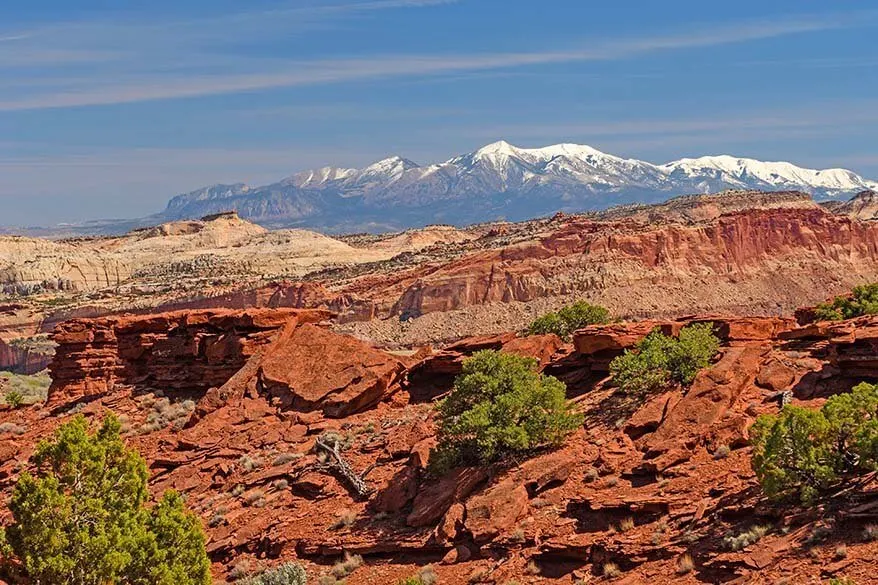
<point x="760" y="258"/>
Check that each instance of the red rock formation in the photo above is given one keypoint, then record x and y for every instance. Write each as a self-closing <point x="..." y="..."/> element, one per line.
<point x="309" y="367"/>
<point x="190" y="351"/>
<point x="781" y="255"/>
<point x="639" y="486"/>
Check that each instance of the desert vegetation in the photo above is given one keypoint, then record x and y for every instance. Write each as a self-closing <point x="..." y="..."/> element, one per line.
<point x="660" y="360"/>
<point x="19" y="390"/>
<point x="82" y="518"/>
<point x="863" y="300"/>
<point x="285" y="574"/>
<point x="501" y="405"/>
<point x="568" y="319"/>
<point x="426" y="576"/>
<point x="802" y="452"/>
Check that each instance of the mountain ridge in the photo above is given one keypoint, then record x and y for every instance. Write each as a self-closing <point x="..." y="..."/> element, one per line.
<point x="497" y="181"/>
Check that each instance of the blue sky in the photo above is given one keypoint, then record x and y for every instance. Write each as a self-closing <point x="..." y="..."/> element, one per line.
<point x="108" y="111"/>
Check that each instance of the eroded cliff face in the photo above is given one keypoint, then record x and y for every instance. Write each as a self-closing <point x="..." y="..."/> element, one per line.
<point x="761" y="249"/>
<point x="267" y="383"/>
<point x="183" y="351"/>
<point x="764" y="261"/>
<point x="18" y="325"/>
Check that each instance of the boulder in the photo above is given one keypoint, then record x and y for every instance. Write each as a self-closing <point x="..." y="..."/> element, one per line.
<point x="403" y="439"/>
<point x="397" y="492"/>
<point x="420" y="453"/>
<point x="435" y="498"/>
<point x="648" y="417"/>
<point x="495" y="511"/>
<point x="311" y="368"/>
<point x="714" y="391"/>
<point x="775" y="376"/>
<point x="540" y="347"/>
<point x="451" y="523"/>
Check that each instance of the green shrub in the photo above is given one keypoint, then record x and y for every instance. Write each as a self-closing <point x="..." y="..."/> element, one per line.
<point x="802" y="452"/>
<point x="659" y="360"/>
<point x="13" y="398"/>
<point x="82" y="518"/>
<point x="548" y="323"/>
<point x="285" y="574"/>
<point x="862" y="301"/>
<point x="569" y="319"/>
<point x="501" y="405"/>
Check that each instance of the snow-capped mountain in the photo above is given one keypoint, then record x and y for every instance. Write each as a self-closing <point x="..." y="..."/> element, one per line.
<point x="497" y="181"/>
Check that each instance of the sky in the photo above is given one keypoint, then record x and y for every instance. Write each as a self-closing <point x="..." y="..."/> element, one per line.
<point x="108" y="109"/>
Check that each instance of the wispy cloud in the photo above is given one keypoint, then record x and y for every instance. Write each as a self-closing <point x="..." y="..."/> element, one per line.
<point x="820" y="115"/>
<point x="135" y="63"/>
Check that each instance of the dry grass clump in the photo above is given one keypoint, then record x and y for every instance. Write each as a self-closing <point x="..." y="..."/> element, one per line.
<point x="256" y="498"/>
<point x="685" y="564"/>
<point x="283" y="458"/>
<point x="722" y="452"/>
<point x="532" y="568"/>
<point x="479" y="575"/>
<point x="745" y="539"/>
<point x="348" y="565"/>
<point x="240" y="570"/>
<point x="626" y="524"/>
<point x="165" y="413"/>
<point x="661" y="529"/>
<point x="216" y="519"/>
<point x="426" y="576"/>
<point x="342" y="442"/>
<point x="518" y="536"/>
<point x="611" y="570"/>
<point x="345" y="519"/>
<point x="248" y="462"/>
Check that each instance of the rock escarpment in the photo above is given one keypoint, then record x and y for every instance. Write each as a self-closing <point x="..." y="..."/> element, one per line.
<point x="767" y="248"/>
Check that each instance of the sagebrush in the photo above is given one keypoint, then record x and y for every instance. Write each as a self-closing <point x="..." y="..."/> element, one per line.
<point x="285" y="574"/>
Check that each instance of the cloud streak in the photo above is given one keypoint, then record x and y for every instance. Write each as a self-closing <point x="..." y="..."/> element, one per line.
<point x="184" y="73"/>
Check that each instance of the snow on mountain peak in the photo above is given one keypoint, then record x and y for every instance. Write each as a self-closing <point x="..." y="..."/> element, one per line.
<point x="390" y="165"/>
<point x="503" y="148"/>
<point x="499" y="147"/>
<point x="774" y="173"/>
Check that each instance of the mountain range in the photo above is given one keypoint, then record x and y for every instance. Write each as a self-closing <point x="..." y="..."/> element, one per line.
<point x="498" y="181"/>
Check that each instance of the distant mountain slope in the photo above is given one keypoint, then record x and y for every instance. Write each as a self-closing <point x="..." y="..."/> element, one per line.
<point x="863" y="205"/>
<point x="498" y="181"/>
